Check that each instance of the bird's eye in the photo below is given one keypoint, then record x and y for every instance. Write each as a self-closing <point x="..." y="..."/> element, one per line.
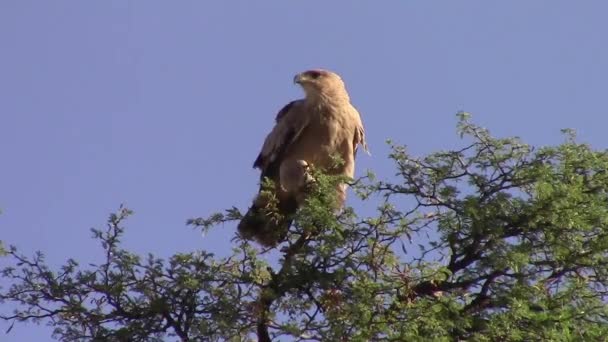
<point x="314" y="74"/>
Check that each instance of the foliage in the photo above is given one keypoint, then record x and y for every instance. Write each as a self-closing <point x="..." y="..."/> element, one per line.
<point x="496" y="241"/>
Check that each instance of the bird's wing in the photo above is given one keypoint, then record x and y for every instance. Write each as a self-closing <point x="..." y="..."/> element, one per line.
<point x="359" y="138"/>
<point x="290" y="122"/>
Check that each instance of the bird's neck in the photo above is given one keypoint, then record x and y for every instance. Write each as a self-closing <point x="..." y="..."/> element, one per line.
<point x="328" y="98"/>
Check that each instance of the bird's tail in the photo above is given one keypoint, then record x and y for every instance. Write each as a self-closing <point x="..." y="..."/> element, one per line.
<point x="267" y="221"/>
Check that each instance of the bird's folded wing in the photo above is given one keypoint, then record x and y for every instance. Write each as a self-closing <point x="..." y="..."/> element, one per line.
<point x="290" y="122"/>
<point x="359" y="138"/>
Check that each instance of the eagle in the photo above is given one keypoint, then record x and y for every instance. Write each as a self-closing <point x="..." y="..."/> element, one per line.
<point x="308" y="132"/>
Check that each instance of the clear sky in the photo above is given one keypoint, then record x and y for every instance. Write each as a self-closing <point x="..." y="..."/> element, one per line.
<point x="164" y="105"/>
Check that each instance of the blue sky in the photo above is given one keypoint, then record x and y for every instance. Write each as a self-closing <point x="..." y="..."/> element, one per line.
<point x="164" y="105"/>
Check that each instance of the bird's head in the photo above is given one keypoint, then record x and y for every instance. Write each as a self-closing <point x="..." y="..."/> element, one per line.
<point x="321" y="83"/>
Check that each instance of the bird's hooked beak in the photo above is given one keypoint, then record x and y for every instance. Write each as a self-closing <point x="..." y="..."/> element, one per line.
<point x="298" y="79"/>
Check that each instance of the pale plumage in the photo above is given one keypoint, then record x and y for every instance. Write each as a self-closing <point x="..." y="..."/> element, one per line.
<point x="307" y="132"/>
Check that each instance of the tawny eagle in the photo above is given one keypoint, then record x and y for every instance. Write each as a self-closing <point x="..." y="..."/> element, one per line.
<point x="309" y="131"/>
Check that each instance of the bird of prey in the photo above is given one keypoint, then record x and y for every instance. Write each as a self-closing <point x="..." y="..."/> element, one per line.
<point x="307" y="132"/>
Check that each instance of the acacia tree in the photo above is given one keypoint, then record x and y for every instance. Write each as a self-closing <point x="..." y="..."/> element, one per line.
<point x="495" y="241"/>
